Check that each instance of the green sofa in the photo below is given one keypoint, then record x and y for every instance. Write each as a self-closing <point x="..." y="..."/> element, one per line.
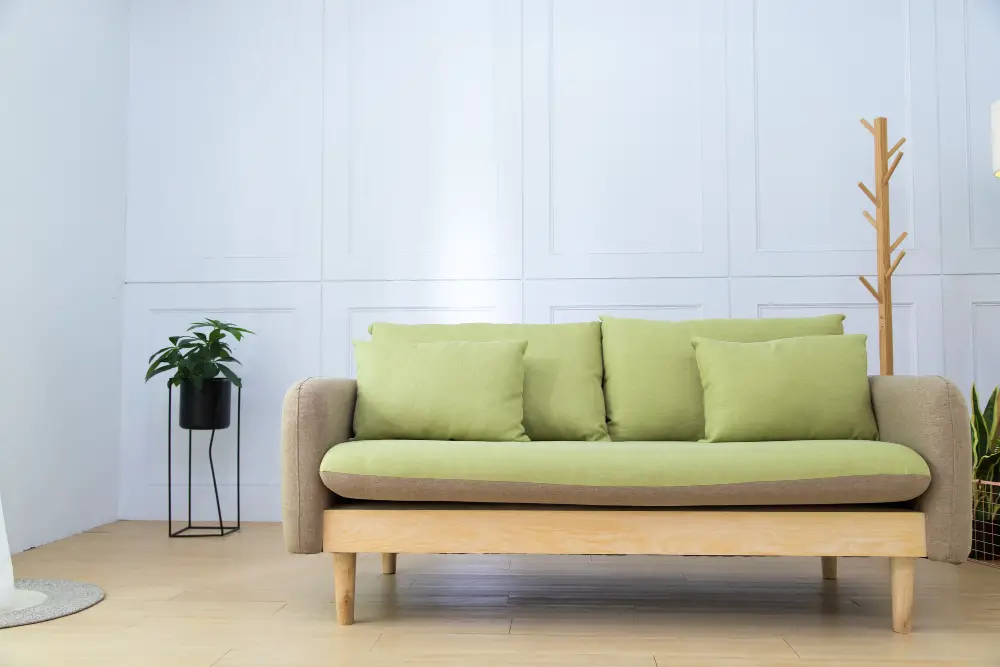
<point x="905" y="495"/>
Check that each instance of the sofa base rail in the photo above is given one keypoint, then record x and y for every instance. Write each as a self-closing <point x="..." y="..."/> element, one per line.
<point x="407" y="528"/>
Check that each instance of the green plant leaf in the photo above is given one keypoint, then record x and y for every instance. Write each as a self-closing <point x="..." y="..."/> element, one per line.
<point x="153" y="372"/>
<point x="988" y="467"/>
<point x="195" y="357"/>
<point x="160" y="358"/>
<point x="232" y="377"/>
<point x="990" y="418"/>
<point x="158" y="352"/>
<point x="980" y="432"/>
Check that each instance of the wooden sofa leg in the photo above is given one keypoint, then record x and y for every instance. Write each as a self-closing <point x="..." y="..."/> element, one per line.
<point x="829" y="567"/>
<point x="344" y="571"/>
<point x="388" y="563"/>
<point x="901" y="574"/>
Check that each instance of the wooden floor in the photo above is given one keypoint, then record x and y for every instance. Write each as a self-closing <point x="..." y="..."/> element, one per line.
<point x="241" y="600"/>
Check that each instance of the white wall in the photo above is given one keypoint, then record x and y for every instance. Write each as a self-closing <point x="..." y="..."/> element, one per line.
<point x="305" y="168"/>
<point x="63" y="78"/>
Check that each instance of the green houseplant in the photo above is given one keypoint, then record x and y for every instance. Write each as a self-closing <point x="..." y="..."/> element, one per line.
<point x="986" y="473"/>
<point x="200" y="361"/>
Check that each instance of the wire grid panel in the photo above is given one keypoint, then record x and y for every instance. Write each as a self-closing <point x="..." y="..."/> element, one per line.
<point x="986" y="524"/>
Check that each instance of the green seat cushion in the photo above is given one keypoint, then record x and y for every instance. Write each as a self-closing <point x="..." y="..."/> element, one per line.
<point x="810" y="388"/>
<point x="454" y="390"/>
<point x="563" y="399"/>
<point x="627" y="473"/>
<point x="651" y="381"/>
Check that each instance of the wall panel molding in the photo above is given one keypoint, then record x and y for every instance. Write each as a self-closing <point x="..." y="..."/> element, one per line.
<point x="624" y="168"/>
<point x="422" y="172"/>
<point x="971" y="322"/>
<point x="308" y="167"/>
<point x="797" y="149"/>
<point x="969" y="42"/>
<point x="286" y="348"/>
<point x="349" y="308"/>
<point x="583" y="300"/>
<point x="224" y="141"/>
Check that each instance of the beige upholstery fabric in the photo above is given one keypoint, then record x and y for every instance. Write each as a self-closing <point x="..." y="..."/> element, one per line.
<point x="317" y="413"/>
<point x="825" y="491"/>
<point x="929" y="415"/>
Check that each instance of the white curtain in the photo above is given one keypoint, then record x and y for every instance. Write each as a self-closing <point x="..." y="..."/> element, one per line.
<point x="6" y="568"/>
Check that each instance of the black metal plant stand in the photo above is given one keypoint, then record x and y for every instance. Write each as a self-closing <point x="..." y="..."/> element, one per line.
<point x="191" y="530"/>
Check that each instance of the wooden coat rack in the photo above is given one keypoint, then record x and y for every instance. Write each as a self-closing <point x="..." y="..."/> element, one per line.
<point x="886" y="266"/>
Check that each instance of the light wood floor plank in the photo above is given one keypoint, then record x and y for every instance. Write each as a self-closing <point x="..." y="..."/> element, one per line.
<point x="243" y="601"/>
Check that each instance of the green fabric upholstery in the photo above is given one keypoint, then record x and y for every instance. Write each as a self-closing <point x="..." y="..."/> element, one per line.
<point x="809" y="388"/>
<point x="454" y="390"/>
<point x="651" y="382"/>
<point x="623" y="463"/>
<point x="625" y="473"/>
<point x="563" y="399"/>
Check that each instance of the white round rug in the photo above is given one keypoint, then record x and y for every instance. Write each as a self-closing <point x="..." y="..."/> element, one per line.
<point x="38" y="600"/>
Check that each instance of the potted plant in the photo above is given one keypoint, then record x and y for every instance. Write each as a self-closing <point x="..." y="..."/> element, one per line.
<point x="986" y="471"/>
<point x="198" y="359"/>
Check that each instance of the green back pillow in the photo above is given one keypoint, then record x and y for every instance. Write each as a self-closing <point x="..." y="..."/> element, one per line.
<point x="812" y="388"/>
<point x="440" y="391"/>
<point x="651" y="382"/>
<point x="563" y="370"/>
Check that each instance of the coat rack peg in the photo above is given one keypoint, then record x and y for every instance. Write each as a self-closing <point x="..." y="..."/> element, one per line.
<point x="871" y="289"/>
<point x="886" y="265"/>
<point x="892" y="167"/>
<point x="864" y="188"/>
<point x="892" y="269"/>
<point x="896" y="147"/>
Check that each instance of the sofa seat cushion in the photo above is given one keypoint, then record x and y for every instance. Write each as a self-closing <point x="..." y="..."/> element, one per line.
<point x="654" y="474"/>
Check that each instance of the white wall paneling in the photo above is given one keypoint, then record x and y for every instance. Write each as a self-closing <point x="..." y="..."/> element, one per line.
<point x="224" y="140"/>
<point x="559" y="301"/>
<point x="971" y="323"/>
<point x="624" y="138"/>
<point x="802" y="73"/>
<point x="423" y="139"/>
<point x="308" y="167"/>
<point x="916" y="313"/>
<point x="286" y="319"/>
<point x="969" y="42"/>
<point x="348" y="309"/>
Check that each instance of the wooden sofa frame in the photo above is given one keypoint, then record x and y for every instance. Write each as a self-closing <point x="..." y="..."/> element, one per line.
<point x="391" y="528"/>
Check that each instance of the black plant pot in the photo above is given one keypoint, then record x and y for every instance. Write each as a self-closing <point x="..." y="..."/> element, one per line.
<point x="208" y="408"/>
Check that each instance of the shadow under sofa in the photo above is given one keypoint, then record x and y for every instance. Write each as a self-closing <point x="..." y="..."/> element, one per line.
<point x="908" y="496"/>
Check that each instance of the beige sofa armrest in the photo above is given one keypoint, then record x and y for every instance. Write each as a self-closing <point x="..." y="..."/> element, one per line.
<point x="317" y="413"/>
<point x="929" y="415"/>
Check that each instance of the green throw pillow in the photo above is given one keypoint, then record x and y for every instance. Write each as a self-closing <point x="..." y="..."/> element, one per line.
<point x="440" y="391"/>
<point x="563" y="399"/>
<point x="811" y="388"/>
<point x="651" y="382"/>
